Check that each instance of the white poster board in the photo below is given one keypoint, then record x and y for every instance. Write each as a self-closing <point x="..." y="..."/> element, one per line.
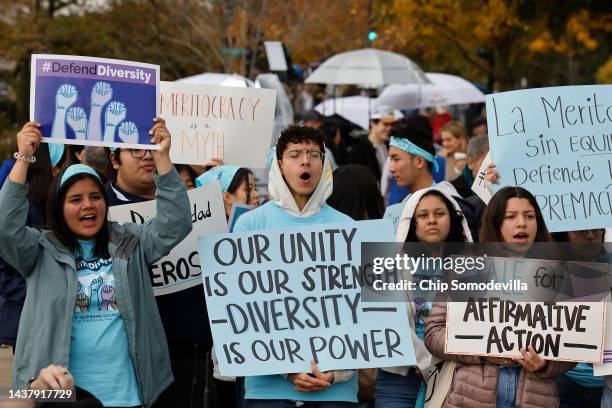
<point x="180" y="269"/>
<point x="482" y="187"/>
<point x="567" y="331"/>
<point x="209" y="121"/>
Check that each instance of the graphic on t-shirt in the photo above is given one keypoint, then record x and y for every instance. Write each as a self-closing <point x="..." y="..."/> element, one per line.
<point x="96" y="290"/>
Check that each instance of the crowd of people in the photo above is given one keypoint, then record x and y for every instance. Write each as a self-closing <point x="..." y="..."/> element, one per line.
<point x="79" y="309"/>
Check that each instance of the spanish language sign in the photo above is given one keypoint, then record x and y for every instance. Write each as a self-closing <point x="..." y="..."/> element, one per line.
<point x="181" y="268"/>
<point x="94" y="101"/>
<point x="568" y="331"/>
<point x="557" y="143"/>
<point x="210" y="121"/>
<point x="278" y="299"/>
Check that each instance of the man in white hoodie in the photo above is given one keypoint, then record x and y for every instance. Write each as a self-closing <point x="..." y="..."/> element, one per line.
<point x="300" y="181"/>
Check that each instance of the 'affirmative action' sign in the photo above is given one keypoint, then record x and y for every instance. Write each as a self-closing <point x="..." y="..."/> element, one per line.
<point x="230" y="123"/>
<point x="278" y="299"/>
<point x="568" y="331"/>
<point x="180" y="269"/>
<point x="557" y="143"/>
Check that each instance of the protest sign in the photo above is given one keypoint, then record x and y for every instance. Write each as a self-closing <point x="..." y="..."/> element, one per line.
<point x="393" y="213"/>
<point x="94" y="101"/>
<point x="278" y="299"/>
<point x="238" y="209"/>
<point x="500" y="324"/>
<point x="482" y="187"/>
<point x="181" y="268"/>
<point x="567" y="331"/>
<point x="556" y="143"/>
<point x="606" y="367"/>
<point x="218" y="121"/>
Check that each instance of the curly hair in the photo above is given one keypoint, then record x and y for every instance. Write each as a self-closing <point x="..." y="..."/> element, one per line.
<point x="299" y="134"/>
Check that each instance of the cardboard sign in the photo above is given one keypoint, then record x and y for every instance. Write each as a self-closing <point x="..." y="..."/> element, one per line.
<point x="393" y="213"/>
<point x="181" y="268"/>
<point x="482" y="187"/>
<point x="94" y="101"/>
<point x="567" y="331"/>
<point x="606" y="367"/>
<point x="278" y="299"/>
<point x="210" y="121"/>
<point x="556" y="143"/>
<point x="238" y="209"/>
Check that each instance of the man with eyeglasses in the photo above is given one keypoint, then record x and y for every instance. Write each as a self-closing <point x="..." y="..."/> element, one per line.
<point x="300" y="183"/>
<point x="135" y="181"/>
<point x="187" y="332"/>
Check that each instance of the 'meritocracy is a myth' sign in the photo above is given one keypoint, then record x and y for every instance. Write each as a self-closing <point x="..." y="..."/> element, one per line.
<point x="278" y="299"/>
<point x="568" y="331"/>
<point x="557" y="143"/>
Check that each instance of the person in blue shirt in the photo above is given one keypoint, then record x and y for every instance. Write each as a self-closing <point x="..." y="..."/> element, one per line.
<point x="579" y="387"/>
<point x="89" y="317"/>
<point x="300" y="181"/>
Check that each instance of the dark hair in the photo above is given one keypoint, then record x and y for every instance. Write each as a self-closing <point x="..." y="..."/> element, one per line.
<point x="479" y="121"/>
<point x="493" y="217"/>
<point x="312" y="115"/>
<point x="356" y="193"/>
<point x="188" y="169"/>
<point x="57" y="223"/>
<point x="241" y="176"/>
<point x="563" y="236"/>
<point x="410" y="130"/>
<point x="298" y="134"/>
<point x="39" y="179"/>
<point x="455" y="234"/>
<point x="69" y="156"/>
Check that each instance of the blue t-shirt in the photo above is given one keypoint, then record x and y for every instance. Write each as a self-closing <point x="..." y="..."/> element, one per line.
<point x="100" y="361"/>
<point x="276" y="387"/>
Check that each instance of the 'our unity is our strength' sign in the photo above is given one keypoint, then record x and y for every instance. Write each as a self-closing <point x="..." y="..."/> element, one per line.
<point x="278" y="299"/>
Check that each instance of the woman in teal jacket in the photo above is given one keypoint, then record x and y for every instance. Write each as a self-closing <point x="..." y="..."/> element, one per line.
<point x="90" y="317"/>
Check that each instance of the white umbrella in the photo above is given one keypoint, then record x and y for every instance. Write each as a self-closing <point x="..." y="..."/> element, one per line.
<point x="444" y="89"/>
<point x="355" y="109"/>
<point x="369" y="68"/>
<point x="215" y="78"/>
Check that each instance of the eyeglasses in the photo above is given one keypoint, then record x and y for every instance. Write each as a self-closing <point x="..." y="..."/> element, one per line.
<point x="310" y="154"/>
<point x="584" y="233"/>
<point x="139" y="153"/>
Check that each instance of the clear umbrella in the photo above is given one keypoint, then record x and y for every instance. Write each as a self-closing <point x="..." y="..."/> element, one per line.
<point x="369" y="68"/>
<point x="444" y="89"/>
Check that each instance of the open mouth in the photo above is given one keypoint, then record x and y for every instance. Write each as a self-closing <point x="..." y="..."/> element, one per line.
<point x="305" y="176"/>
<point x="521" y="236"/>
<point x="88" y="219"/>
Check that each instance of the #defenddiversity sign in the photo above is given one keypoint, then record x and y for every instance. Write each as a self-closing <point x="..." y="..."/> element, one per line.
<point x="278" y="299"/>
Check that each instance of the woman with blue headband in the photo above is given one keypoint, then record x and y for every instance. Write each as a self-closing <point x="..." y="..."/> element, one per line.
<point x="237" y="185"/>
<point x="90" y="318"/>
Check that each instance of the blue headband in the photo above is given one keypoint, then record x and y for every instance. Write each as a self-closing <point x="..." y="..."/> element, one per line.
<point x="271" y="157"/>
<point x="56" y="151"/>
<point x="409" y="147"/>
<point x="78" y="169"/>
<point x="225" y="175"/>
